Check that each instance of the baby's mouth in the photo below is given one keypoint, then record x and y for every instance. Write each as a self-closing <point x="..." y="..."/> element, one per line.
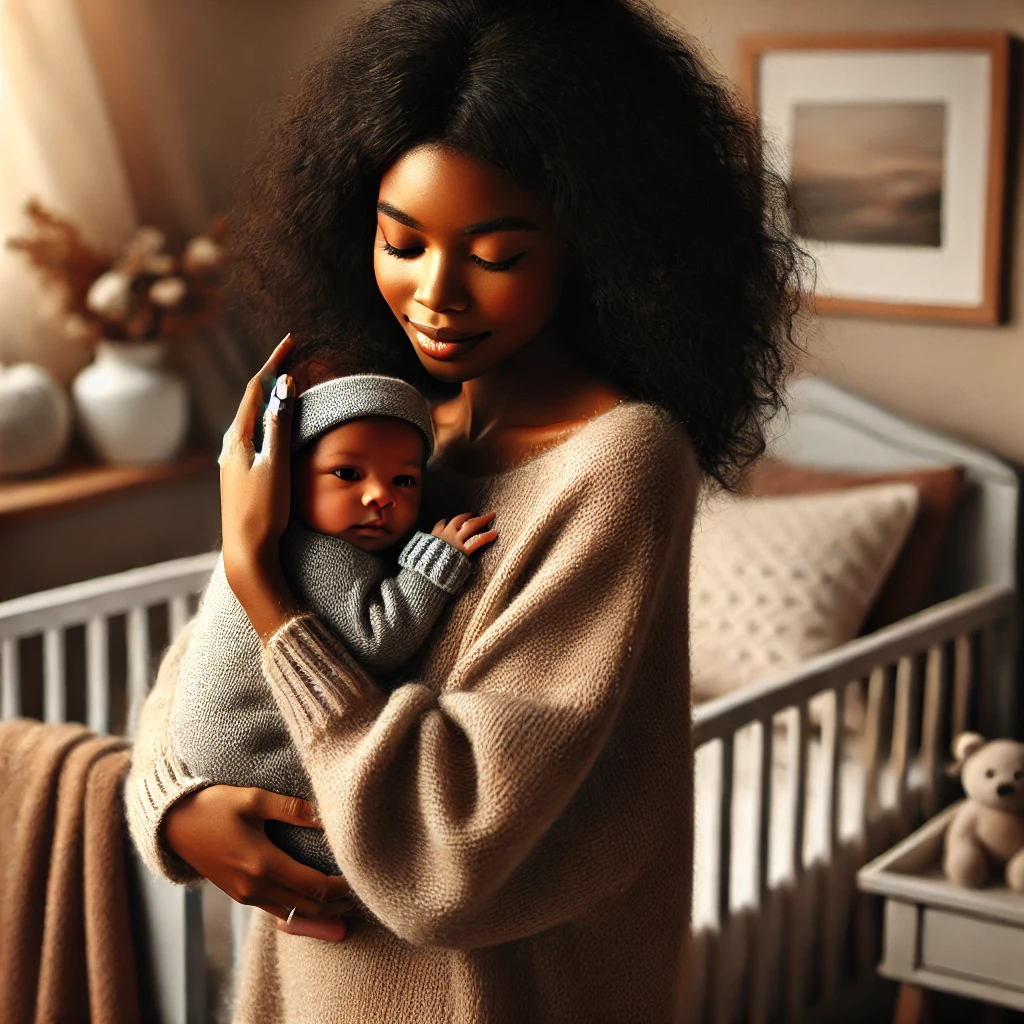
<point x="374" y="525"/>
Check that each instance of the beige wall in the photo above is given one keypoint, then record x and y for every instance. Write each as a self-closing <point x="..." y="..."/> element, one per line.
<point x="967" y="381"/>
<point x="230" y="60"/>
<point x="225" y="64"/>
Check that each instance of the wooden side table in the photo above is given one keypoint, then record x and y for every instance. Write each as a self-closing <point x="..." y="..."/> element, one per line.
<point x="941" y="937"/>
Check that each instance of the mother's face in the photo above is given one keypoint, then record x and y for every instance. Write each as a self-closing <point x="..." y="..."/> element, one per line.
<point x="469" y="262"/>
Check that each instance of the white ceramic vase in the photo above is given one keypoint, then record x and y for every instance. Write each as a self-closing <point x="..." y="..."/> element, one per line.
<point x="132" y="410"/>
<point x="35" y="419"/>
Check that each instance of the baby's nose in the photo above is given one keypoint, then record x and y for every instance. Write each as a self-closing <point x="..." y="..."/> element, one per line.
<point x="1004" y="789"/>
<point x="380" y="496"/>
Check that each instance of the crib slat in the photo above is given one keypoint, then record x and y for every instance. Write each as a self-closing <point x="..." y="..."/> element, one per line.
<point x="961" y="684"/>
<point x="725" y="831"/>
<point x="764" y="834"/>
<point x="834" y="904"/>
<point x="797" y="923"/>
<point x="931" y="725"/>
<point x="834" y="752"/>
<point x="10" y="680"/>
<point x="872" y="743"/>
<point x="97" y="675"/>
<point x="54" y="695"/>
<point x="907" y="685"/>
<point x="177" y="614"/>
<point x="138" y="664"/>
<point x="800" y="758"/>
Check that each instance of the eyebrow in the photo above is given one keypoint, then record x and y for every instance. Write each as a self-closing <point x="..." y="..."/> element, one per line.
<point x="484" y="227"/>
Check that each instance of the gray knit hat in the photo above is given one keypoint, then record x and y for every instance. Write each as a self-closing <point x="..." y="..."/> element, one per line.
<point x="341" y="399"/>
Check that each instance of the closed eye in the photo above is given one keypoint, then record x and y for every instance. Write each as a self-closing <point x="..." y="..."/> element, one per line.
<point x="402" y="254"/>
<point x="412" y="253"/>
<point x="503" y="265"/>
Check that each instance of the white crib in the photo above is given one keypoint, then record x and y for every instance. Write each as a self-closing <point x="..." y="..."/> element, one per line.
<point x="783" y="825"/>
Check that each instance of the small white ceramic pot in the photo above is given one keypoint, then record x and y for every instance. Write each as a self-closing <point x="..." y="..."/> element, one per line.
<point x="131" y="409"/>
<point x="35" y="419"/>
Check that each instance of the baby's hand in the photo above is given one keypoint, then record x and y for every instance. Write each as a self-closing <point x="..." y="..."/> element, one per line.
<point x="463" y="532"/>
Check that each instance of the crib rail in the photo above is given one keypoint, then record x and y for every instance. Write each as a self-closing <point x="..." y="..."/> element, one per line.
<point x="88" y="652"/>
<point x="120" y="608"/>
<point x="834" y="762"/>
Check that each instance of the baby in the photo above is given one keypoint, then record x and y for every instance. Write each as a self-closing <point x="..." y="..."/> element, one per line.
<point x="359" y="446"/>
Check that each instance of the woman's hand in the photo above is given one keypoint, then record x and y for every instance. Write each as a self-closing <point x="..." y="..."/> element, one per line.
<point x="248" y="866"/>
<point x="255" y="499"/>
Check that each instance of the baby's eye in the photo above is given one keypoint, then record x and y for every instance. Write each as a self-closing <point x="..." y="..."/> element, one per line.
<point x="990" y="774"/>
<point x="347" y="473"/>
<point x="405" y="481"/>
<point x="1018" y="775"/>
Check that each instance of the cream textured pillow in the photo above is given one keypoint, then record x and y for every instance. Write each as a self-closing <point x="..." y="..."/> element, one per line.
<point x="777" y="580"/>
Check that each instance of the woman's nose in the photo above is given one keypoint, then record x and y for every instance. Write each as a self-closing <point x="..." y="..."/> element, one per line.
<point x="439" y="289"/>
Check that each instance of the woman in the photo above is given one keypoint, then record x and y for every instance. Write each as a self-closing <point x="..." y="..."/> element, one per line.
<point x="555" y="210"/>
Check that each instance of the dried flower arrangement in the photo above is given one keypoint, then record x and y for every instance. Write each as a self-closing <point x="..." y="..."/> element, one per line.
<point x="143" y="294"/>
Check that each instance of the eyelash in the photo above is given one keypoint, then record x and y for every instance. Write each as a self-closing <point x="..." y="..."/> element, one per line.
<point x="411" y="254"/>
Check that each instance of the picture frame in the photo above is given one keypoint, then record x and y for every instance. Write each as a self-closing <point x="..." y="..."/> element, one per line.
<point x="895" y="150"/>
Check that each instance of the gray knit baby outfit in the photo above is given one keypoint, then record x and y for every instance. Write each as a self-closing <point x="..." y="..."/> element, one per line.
<point x="225" y="724"/>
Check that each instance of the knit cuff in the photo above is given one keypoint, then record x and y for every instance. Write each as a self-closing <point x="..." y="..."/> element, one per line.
<point x="314" y="678"/>
<point x="149" y="794"/>
<point x="445" y="566"/>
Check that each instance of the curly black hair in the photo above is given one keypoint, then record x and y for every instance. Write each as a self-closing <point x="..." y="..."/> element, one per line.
<point x="685" y="287"/>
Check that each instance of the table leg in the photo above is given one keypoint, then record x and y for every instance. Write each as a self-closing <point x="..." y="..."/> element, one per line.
<point x="913" y="1005"/>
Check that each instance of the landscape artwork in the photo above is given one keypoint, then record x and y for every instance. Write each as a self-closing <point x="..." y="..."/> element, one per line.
<point x="869" y="173"/>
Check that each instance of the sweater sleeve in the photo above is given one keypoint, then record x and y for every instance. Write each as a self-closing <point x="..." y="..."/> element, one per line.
<point x="157" y="777"/>
<point x="450" y="808"/>
<point x="396" y="614"/>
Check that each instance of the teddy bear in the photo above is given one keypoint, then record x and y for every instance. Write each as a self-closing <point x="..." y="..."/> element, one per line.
<point x="987" y="830"/>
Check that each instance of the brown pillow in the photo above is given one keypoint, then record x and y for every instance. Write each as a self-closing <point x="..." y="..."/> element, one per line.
<point x="906" y="589"/>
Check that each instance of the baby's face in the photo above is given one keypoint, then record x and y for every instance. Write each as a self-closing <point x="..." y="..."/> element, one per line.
<point x="361" y="481"/>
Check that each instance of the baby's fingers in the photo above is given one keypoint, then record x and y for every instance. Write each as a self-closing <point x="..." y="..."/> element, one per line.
<point x="480" y="539"/>
<point x="476" y="523"/>
<point x="456" y="522"/>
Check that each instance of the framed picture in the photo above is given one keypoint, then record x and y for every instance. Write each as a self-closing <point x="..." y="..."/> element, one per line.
<point x="895" y="148"/>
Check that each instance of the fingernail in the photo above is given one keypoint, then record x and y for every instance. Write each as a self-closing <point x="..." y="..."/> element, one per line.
<point x="281" y="387"/>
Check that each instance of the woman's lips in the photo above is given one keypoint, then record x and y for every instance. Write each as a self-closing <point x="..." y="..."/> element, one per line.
<point x="442" y="343"/>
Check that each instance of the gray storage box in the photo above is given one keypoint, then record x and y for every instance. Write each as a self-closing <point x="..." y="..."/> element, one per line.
<point x="942" y="936"/>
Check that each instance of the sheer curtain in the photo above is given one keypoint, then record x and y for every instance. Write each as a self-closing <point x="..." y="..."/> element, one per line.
<point x="89" y="124"/>
<point x="57" y="144"/>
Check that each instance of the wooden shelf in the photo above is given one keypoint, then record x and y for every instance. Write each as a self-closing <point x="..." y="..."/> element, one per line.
<point x="80" y="480"/>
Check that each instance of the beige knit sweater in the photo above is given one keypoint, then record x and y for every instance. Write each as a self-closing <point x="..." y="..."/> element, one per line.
<point x="517" y="817"/>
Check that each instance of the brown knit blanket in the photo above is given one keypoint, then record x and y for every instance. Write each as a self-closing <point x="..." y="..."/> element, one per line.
<point x="65" y="933"/>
